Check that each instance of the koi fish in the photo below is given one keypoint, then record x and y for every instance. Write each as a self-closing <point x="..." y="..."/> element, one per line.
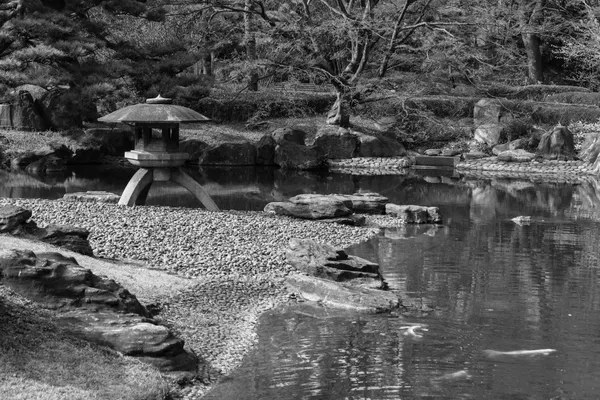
<point x="454" y="376"/>
<point x="410" y="330"/>
<point x="516" y="353"/>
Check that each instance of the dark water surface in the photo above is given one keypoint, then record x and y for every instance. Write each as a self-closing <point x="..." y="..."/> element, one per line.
<point x="495" y="285"/>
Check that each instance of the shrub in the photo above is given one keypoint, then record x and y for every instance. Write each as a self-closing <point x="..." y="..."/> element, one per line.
<point x="581" y="130"/>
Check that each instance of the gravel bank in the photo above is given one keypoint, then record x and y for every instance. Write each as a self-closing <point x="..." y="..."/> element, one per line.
<point x="236" y="260"/>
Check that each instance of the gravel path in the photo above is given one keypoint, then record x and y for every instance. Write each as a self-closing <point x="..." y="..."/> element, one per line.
<point x="236" y="261"/>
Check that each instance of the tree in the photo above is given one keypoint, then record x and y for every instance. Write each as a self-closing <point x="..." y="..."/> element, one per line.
<point x="339" y="39"/>
<point x="531" y="20"/>
<point x="581" y="49"/>
<point x="94" y="48"/>
<point x="250" y="43"/>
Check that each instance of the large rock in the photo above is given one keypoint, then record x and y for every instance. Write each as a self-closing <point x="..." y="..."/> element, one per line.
<point x="378" y="146"/>
<point x="293" y="135"/>
<point x="194" y="147"/>
<point x="69" y="237"/>
<point x="48" y="164"/>
<point x="411" y="214"/>
<point x="365" y="203"/>
<point x="12" y="218"/>
<point x="26" y="114"/>
<point x="58" y="281"/>
<point x="134" y="336"/>
<point x="265" y="150"/>
<point x="230" y="153"/>
<point x="335" y="295"/>
<point x="334" y="142"/>
<point x="324" y="261"/>
<point x="291" y="155"/>
<point x="489" y="134"/>
<point x="308" y="206"/>
<point x="95" y="308"/>
<point x="557" y="144"/>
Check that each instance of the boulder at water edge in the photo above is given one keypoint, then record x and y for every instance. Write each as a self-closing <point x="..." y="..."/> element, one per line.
<point x="334" y="142"/>
<point x="557" y="144"/>
<point x="336" y="279"/>
<point x="334" y="295"/>
<point x="321" y="206"/>
<point x="378" y="146"/>
<point x="411" y="214"/>
<point x="232" y="153"/>
<point x="308" y="206"/>
<point x="324" y="261"/>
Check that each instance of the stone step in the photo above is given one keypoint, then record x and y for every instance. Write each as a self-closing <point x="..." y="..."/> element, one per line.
<point x="436" y="161"/>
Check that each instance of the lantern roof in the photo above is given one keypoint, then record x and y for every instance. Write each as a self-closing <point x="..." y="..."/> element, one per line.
<point x="155" y="110"/>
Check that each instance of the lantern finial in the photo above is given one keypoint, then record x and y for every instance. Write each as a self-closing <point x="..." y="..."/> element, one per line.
<point x="159" y="100"/>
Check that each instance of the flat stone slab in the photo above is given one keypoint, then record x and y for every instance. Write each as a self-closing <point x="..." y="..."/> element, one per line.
<point x="336" y="295"/>
<point x="436" y="161"/>
<point x="92" y="196"/>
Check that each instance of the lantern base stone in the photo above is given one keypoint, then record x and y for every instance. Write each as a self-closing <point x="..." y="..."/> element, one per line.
<point x="147" y="159"/>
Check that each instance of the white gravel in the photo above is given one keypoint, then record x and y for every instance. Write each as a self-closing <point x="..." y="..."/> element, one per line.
<point x="237" y="260"/>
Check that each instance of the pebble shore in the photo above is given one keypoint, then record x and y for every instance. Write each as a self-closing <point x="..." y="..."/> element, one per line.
<point x="237" y="260"/>
<point x="484" y="167"/>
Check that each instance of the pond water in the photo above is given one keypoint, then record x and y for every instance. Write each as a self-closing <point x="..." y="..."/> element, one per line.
<point x="495" y="285"/>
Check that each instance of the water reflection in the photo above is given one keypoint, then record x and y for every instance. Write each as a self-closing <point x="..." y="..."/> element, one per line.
<point x="496" y="285"/>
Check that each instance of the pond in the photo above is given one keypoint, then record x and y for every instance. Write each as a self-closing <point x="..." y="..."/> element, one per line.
<point x="495" y="286"/>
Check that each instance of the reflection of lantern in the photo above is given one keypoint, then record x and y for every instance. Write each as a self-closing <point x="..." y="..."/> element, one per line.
<point x="156" y="128"/>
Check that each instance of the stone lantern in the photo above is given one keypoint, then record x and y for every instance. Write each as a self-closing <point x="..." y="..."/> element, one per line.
<point x="156" y="129"/>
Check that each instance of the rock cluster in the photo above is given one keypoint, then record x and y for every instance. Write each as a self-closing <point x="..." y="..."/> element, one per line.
<point x="335" y="279"/>
<point x="293" y="148"/>
<point x="334" y="206"/>
<point x="326" y="262"/>
<point x="16" y="221"/>
<point x="94" y="307"/>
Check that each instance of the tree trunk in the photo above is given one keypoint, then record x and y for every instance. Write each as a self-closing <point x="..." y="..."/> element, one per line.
<point x="535" y="72"/>
<point x="531" y="23"/>
<point x="339" y="114"/>
<point x="250" y="42"/>
<point x="207" y="64"/>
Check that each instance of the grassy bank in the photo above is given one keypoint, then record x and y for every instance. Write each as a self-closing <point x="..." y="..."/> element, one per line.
<point x="38" y="361"/>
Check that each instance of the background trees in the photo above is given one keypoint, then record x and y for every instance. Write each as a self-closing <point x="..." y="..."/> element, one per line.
<point x="114" y="51"/>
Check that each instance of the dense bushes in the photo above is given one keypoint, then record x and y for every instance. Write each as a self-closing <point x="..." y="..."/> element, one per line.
<point x="262" y="105"/>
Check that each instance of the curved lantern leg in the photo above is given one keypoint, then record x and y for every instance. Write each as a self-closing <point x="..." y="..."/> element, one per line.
<point x="138" y="186"/>
<point x="141" y="199"/>
<point x="182" y="178"/>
